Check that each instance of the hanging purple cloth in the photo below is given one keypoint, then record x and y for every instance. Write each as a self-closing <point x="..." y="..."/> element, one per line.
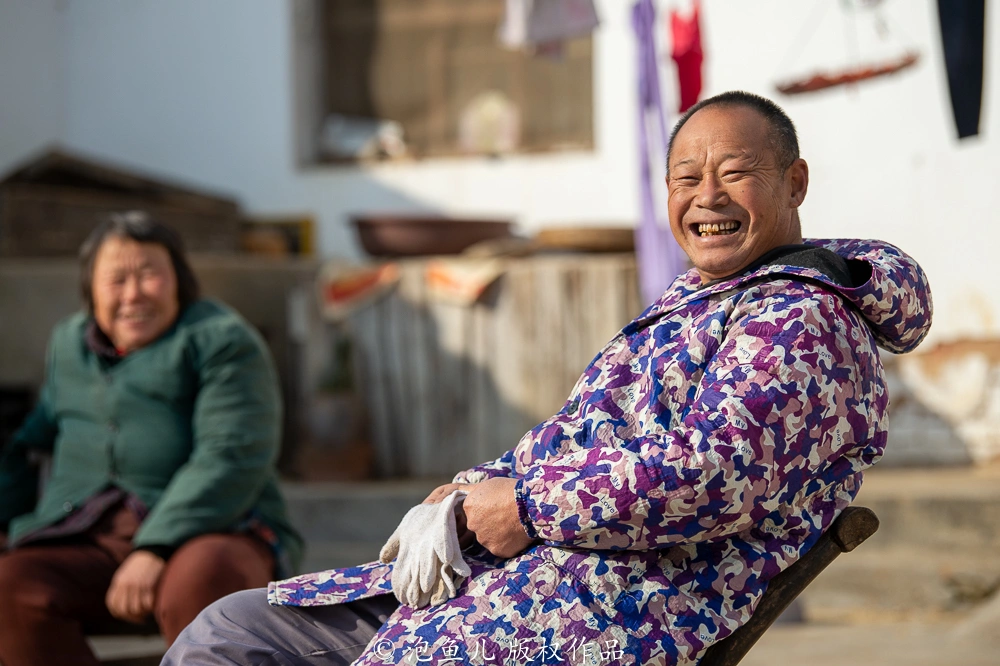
<point x="660" y="259"/>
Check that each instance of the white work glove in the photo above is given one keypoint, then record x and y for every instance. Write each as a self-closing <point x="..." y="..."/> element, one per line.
<point x="429" y="565"/>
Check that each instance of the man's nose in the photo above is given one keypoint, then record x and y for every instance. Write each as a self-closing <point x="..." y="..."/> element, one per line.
<point x="711" y="192"/>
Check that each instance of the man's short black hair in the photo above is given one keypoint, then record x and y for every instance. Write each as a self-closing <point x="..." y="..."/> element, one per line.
<point x="783" y="136"/>
<point x="141" y="227"/>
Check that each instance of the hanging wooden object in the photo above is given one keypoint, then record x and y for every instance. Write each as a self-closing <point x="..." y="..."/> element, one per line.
<point x="824" y="80"/>
<point x="854" y="73"/>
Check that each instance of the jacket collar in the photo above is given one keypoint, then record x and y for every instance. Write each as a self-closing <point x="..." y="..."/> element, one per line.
<point x="895" y="301"/>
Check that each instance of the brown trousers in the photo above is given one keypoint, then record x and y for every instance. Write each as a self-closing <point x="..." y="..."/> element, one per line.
<point x="52" y="593"/>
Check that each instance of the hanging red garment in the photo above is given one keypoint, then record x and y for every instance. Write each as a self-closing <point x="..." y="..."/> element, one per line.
<point x="686" y="38"/>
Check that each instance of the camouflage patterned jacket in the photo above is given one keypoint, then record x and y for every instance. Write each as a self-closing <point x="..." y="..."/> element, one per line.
<point x="703" y="451"/>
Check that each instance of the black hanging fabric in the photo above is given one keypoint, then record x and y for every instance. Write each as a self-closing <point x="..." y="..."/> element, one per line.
<point x="962" y="35"/>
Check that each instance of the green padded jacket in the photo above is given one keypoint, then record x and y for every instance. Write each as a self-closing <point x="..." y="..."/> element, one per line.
<point x="190" y="424"/>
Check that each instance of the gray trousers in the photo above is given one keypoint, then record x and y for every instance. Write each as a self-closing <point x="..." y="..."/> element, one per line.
<point x="244" y="629"/>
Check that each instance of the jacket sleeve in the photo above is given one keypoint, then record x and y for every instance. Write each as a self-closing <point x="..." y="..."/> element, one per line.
<point x="18" y="475"/>
<point x="782" y="401"/>
<point x="236" y="433"/>
<point x="501" y="467"/>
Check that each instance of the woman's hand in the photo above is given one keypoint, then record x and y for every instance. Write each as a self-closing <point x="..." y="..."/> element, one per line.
<point x="133" y="588"/>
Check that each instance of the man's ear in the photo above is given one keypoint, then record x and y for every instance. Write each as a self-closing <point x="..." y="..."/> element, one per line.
<point x="798" y="177"/>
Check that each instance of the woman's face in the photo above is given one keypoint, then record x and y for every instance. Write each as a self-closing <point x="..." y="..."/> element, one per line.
<point x="134" y="291"/>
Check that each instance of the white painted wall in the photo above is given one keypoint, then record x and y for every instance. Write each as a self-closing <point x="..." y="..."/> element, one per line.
<point x="203" y="91"/>
<point x="884" y="159"/>
<point x="32" y="82"/>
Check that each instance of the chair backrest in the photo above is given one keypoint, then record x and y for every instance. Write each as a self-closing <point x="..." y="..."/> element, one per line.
<point x="848" y="531"/>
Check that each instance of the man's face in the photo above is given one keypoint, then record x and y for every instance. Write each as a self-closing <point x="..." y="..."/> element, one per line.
<point x="729" y="199"/>
<point x="134" y="291"/>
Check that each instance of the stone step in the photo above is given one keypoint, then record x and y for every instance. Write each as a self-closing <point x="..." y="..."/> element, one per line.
<point x="353" y="512"/>
<point x="901" y="582"/>
<point x="128" y="650"/>
<point x="334" y="555"/>
<point x="951" y="507"/>
<point x="934" y="553"/>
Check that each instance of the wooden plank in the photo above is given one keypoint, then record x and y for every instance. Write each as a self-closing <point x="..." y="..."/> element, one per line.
<point x="512" y="418"/>
<point x="549" y="354"/>
<point x="590" y="322"/>
<point x="484" y="390"/>
<point x="608" y="300"/>
<point x="371" y="374"/>
<point x="630" y="274"/>
<point x="454" y="386"/>
<point x="451" y="408"/>
<point x="420" y="389"/>
<point x="574" y="335"/>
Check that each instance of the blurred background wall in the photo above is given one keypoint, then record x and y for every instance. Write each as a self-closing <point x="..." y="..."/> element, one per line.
<point x="224" y="95"/>
<point x="32" y="67"/>
<point x="211" y="93"/>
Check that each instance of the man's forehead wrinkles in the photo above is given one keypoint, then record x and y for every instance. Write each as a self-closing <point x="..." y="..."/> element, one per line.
<point x="736" y="153"/>
<point x="707" y="156"/>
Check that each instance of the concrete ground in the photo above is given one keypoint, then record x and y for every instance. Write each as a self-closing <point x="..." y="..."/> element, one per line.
<point x="872" y="644"/>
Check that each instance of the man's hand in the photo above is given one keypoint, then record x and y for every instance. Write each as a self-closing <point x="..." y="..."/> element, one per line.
<point x="465" y="537"/>
<point x="133" y="587"/>
<point x="491" y="512"/>
<point x="438" y="494"/>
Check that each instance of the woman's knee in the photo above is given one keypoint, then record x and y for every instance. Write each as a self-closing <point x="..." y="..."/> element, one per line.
<point x="227" y="562"/>
<point x="204" y="570"/>
<point x="23" y="584"/>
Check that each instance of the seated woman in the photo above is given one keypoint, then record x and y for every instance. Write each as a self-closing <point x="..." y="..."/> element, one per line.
<point x="162" y="414"/>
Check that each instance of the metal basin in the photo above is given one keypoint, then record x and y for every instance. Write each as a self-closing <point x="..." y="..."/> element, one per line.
<point x="408" y="236"/>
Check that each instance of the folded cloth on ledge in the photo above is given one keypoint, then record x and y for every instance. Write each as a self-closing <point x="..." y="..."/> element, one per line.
<point x="461" y="281"/>
<point x="429" y="565"/>
<point x="345" y="288"/>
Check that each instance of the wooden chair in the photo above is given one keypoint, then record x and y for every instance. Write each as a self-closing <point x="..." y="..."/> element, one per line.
<point x="847" y="532"/>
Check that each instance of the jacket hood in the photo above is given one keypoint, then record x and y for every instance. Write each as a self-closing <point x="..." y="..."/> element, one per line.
<point x="895" y="300"/>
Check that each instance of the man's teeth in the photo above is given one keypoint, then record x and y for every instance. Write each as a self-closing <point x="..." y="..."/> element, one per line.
<point x="717" y="228"/>
<point x="136" y="317"/>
